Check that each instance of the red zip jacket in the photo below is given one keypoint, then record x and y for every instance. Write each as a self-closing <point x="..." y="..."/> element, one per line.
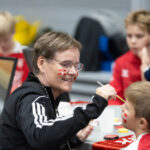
<point x="126" y="71"/>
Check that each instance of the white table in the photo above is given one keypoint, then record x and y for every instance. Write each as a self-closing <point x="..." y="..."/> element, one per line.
<point x="106" y="126"/>
<point x="106" y="123"/>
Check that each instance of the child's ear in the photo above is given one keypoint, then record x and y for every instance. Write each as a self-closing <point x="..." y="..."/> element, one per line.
<point x="143" y="124"/>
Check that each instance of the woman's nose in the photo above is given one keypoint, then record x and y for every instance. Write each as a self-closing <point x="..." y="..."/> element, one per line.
<point x="73" y="70"/>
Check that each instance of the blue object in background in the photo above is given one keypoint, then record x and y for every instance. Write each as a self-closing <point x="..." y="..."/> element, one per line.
<point x="147" y="74"/>
<point x="106" y="65"/>
<point x="104" y="49"/>
<point x="103" y="43"/>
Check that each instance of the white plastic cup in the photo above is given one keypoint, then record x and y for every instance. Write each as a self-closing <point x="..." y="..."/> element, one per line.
<point x="106" y="121"/>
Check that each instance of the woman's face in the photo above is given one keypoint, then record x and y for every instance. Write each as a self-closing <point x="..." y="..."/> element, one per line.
<point x="136" y="38"/>
<point x="59" y="73"/>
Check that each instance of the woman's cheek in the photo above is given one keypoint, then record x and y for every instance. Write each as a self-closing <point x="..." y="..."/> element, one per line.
<point x="62" y="72"/>
<point x="76" y="76"/>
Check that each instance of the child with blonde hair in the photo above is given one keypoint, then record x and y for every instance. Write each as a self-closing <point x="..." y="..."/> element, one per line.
<point x="136" y="114"/>
<point x="129" y="67"/>
<point x="11" y="48"/>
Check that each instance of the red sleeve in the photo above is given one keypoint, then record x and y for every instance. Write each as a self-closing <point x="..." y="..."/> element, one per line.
<point x="144" y="143"/>
<point x="116" y="82"/>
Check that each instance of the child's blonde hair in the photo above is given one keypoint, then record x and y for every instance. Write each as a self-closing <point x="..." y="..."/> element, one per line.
<point x="7" y="23"/>
<point x="140" y="18"/>
<point x="138" y="94"/>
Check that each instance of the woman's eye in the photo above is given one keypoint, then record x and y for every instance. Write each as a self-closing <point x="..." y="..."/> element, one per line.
<point x="67" y="65"/>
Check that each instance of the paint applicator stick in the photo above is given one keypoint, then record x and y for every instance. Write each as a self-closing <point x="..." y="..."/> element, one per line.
<point x="101" y="84"/>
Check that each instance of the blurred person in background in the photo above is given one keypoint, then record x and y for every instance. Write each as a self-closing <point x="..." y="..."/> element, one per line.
<point x="11" y="48"/>
<point x="129" y="67"/>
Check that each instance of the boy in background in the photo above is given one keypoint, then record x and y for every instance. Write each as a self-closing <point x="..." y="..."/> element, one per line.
<point x="11" y="48"/>
<point x="136" y="114"/>
<point x="128" y="68"/>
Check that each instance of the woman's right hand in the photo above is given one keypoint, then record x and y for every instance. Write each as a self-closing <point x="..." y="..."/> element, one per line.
<point x="106" y="91"/>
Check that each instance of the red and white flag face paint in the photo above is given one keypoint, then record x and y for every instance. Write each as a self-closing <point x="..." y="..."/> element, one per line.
<point x="62" y="72"/>
<point x="124" y="117"/>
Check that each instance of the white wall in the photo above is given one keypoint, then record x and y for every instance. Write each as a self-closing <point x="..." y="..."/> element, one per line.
<point x="140" y="4"/>
<point x="63" y="15"/>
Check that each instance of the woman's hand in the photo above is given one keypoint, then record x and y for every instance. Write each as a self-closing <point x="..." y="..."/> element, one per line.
<point x="106" y="91"/>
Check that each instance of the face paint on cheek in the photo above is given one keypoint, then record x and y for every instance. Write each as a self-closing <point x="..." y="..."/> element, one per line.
<point x="76" y="76"/>
<point x="62" y="72"/>
<point x="124" y="117"/>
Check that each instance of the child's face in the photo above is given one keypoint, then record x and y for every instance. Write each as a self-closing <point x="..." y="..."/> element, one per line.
<point x="136" y="38"/>
<point x="6" y="43"/>
<point x="129" y="120"/>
